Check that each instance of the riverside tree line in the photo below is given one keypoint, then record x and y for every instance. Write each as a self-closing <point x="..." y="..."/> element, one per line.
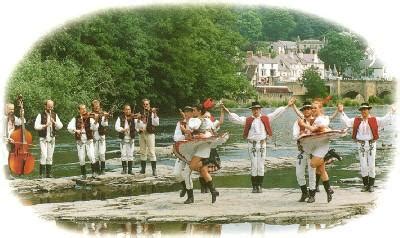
<point x="174" y="56"/>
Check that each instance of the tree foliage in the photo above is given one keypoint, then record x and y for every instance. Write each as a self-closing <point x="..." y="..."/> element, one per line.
<point x="344" y="51"/>
<point x="314" y="84"/>
<point x="172" y="55"/>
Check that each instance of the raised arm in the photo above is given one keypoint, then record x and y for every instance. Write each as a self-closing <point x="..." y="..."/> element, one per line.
<point x="275" y="114"/>
<point x="233" y="117"/>
<point x="347" y="121"/>
<point x="387" y="119"/>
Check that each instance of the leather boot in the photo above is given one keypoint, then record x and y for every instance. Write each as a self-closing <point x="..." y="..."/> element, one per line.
<point x="130" y="167"/>
<point x="190" y="198"/>
<point x="260" y="183"/>
<point x="41" y="170"/>
<point x="253" y="183"/>
<point x="48" y="171"/>
<point x="328" y="190"/>
<point x="317" y="178"/>
<point x="83" y="172"/>
<point x="97" y="167"/>
<point x="214" y="192"/>
<point x="184" y="190"/>
<point x="124" y="165"/>
<point x="304" y="193"/>
<point x="102" y="167"/>
<point x="94" y="173"/>
<point x="311" y="198"/>
<point x="153" y="167"/>
<point x="202" y="184"/>
<point x="371" y="184"/>
<point x="366" y="184"/>
<point x="143" y="167"/>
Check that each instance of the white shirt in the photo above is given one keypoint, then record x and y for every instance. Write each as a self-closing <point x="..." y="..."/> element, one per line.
<point x="364" y="131"/>
<point x="195" y="123"/>
<point x="155" y="122"/>
<point x="96" y="134"/>
<point x="257" y="130"/>
<point x="9" y="127"/>
<point x="296" y="130"/>
<point x="39" y="126"/>
<point x="118" y="128"/>
<point x="178" y="136"/>
<point x="72" y="128"/>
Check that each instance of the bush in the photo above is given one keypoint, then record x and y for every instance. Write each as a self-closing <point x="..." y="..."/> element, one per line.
<point x="375" y="100"/>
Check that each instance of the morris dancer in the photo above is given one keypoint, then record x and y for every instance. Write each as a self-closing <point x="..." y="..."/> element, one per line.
<point x="214" y="156"/>
<point x="10" y="122"/>
<point x="307" y="117"/>
<point x="201" y="128"/>
<point x="126" y="126"/>
<point x="256" y="129"/>
<point x="99" y="136"/>
<point x="303" y="159"/>
<point x="181" y="133"/>
<point x="147" y="140"/>
<point x="82" y="127"/>
<point x="46" y="124"/>
<point x="366" y="133"/>
<point x="319" y="150"/>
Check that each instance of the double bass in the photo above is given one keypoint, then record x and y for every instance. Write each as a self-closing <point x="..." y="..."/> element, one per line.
<point x="20" y="160"/>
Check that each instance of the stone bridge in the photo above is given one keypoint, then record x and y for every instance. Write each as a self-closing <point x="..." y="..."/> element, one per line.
<point x="364" y="88"/>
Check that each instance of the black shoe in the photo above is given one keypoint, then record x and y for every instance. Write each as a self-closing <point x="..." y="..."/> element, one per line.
<point x="97" y="167"/>
<point x="41" y="170"/>
<point x="259" y="189"/>
<point x="153" y="167"/>
<point x="190" y="198"/>
<point x="254" y="189"/>
<point x="94" y="173"/>
<point x="130" y="167"/>
<point x="143" y="167"/>
<point x="371" y="183"/>
<point x="304" y="193"/>
<point x="48" y="171"/>
<point x="102" y="167"/>
<point x="83" y="172"/>
<point x="331" y="155"/>
<point x="311" y="198"/>
<point x="124" y="167"/>
<point x="183" y="191"/>
<point x="214" y="192"/>
<point x="365" y="189"/>
<point x="328" y="190"/>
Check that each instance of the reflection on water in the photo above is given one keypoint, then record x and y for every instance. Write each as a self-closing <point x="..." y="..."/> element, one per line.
<point x="210" y="230"/>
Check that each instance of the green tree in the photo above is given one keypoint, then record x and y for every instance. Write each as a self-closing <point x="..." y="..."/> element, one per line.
<point x="277" y="24"/>
<point x="314" y="84"/>
<point x="343" y="50"/>
<point x="250" y="25"/>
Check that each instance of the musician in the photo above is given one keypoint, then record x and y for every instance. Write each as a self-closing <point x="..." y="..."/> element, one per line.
<point x="180" y="135"/>
<point x="147" y="125"/>
<point x="256" y="129"/>
<point x="10" y="122"/>
<point x="366" y="132"/>
<point x="99" y="135"/>
<point x="82" y="127"/>
<point x="47" y="123"/>
<point x="126" y="126"/>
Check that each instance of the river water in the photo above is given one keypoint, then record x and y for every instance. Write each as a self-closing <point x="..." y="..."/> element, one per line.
<point x="281" y="145"/>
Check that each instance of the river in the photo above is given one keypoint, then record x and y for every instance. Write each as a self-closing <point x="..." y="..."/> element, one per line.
<point x="281" y="145"/>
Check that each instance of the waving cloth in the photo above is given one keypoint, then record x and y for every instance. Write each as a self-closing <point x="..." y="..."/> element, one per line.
<point x="315" y="137"/>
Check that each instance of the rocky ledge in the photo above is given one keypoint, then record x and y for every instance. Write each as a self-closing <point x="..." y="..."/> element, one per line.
<point x="234" y="205"/>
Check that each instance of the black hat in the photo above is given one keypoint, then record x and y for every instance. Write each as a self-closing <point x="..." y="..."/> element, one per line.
<point x="255" y="105"/>
<point x="364" y="105"/>
<point x="187" y="109"/>
<point x="306" y="105"/>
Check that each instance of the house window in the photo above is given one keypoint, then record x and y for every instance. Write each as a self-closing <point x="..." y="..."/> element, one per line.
<point x="263" y="72"/>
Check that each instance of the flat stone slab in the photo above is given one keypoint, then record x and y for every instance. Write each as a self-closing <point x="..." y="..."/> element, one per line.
<point x="115" y="178"/>
<point x="234" y="205"/>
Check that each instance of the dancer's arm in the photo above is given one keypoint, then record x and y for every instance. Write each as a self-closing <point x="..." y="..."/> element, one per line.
<point x="347" y="121"/>
<point x="387" y="119"/>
